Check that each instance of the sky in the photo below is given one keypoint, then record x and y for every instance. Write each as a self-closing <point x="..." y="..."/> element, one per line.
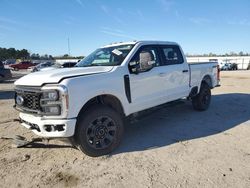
<point x="199" y="26"/>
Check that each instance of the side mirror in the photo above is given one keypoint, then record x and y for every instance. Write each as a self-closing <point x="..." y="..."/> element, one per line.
<point x="145" y="63"/>
<point x="134" y="67"/>
<point x="137" y="67"/>
<point x="146" y="60"/>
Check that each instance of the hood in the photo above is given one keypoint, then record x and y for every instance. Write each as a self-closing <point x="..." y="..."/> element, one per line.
<point x="54" y="76"/>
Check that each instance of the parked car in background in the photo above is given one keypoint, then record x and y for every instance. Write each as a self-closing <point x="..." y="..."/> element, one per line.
<point x="60" y="65"/>
<point x="226" y="66"/>
<point x="221" y="64"/>
<point x="9" y="61"/>
<point x="5" y="74"/>
<point x="21" y="65"/>
<point x="234" y="66"/>
<point x="41" y="66"/>
<point x="68" y="64"/>
<point x="230" y="66"/>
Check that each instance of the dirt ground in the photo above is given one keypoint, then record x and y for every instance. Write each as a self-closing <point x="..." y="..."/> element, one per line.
<point x="173" y="147"/>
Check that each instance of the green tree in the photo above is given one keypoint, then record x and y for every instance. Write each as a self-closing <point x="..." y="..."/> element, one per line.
<point x="35" y="56"/>
<point x="11" y="53"/>
<point x="22" y="54"/>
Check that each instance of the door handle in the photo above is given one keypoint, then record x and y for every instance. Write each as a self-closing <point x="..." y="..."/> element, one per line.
<point x="185" y="71"/>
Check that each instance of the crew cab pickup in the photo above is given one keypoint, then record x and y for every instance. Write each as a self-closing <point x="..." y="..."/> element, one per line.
<point x="89" y="103"/>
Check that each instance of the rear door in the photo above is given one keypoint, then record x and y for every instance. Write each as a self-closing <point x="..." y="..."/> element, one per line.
<point x="174" y="72"/>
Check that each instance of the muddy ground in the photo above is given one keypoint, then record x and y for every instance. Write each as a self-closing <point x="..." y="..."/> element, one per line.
<point x="172" y="147"/>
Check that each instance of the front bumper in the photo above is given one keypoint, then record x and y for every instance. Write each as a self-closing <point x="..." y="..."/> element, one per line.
<point x="50" y="128"/>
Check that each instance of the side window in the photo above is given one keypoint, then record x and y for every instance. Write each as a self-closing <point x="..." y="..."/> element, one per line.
<point x="171" y="55"/>
<point x="144" y="59"/>
<point x="146" y="54"/>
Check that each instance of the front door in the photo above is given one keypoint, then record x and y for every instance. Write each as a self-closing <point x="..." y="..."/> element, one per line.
<point x="146" y="86"/>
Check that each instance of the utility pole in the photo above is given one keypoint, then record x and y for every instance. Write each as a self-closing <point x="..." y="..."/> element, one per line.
<point x="68" y="47"/>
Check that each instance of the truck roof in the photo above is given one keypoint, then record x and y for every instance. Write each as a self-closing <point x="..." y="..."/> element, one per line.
<point x="145" y="42"/>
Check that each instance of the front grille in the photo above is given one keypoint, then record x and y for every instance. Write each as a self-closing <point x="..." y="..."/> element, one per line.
<point x="31" y="100"/>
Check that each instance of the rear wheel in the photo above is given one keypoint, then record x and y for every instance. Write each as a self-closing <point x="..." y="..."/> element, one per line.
<point x="202" y="101"/>
<point x="99" y="130"/>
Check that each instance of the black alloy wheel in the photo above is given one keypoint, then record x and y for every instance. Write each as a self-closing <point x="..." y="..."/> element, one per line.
<point x="99" y="130"/>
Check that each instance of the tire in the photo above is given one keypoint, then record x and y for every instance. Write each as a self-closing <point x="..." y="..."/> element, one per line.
<point x="202" y="101"/>
<point x="99" y="130"/>
<point x="16" y="69"/>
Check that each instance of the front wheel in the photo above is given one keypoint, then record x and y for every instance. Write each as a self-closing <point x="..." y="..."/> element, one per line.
<point x="99" y="130"/>
<point x="202" y="101"/>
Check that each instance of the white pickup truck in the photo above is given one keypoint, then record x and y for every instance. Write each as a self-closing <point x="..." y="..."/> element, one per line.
<point x="90" y="102"/>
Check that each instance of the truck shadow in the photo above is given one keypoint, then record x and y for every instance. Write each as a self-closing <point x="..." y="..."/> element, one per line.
<point x="174" y="124"/>
<point x="50" y="146"/>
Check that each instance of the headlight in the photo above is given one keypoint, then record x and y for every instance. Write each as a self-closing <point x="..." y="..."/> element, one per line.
<point x="50" y="102"/>
<point x="50" y="95"/>
<point x="54" y="100"/>
<point x="52" y="110"/>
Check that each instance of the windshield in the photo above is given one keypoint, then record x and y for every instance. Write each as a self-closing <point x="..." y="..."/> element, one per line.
<point x="109" y="56"/>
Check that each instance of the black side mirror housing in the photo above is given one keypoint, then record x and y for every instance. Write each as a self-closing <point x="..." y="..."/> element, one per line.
<point x="134" y="67"/>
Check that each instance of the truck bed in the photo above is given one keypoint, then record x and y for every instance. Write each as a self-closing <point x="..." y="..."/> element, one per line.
<point x="199" y="70"/>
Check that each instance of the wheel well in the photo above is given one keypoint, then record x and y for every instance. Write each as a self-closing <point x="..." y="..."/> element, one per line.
<point x="207" y="79"/>
<point x="108" y="100"/>
<point x="193" y="92"/>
